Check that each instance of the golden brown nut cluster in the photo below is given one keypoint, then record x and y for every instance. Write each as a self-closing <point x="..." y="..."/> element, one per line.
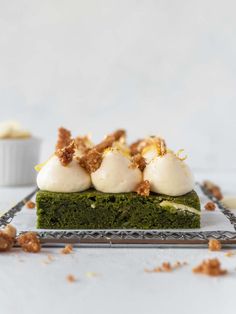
<point x="143" y="188"/>
<point x="210" y="267"/>
<point x="138" y="161"/>
<point x="67" y="249"/>
<point x="64" y="138"/>
<point x="66" y="154"/>
<point x="29" y="242"/>
<point x="214" y="245"/>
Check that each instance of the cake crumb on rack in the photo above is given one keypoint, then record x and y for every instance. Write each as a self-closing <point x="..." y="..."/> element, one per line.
<point x="210" y="206"/>
<point x="214" y="245"/>
<point x="143" y="188"/>
<point x="30" y="204"/>
<point x="210" y="267"/>
<point x="67" y="249"/>
<point x="29" y="242"/>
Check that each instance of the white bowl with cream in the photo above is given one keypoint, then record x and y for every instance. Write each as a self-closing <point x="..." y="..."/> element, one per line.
<point x="19" y="153"/>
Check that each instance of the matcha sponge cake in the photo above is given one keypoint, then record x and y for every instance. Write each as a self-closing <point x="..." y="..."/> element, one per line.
<point x="115" y="186"/>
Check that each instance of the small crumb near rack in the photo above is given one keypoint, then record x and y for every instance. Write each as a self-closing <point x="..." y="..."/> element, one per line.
<point x="214" y="245"/>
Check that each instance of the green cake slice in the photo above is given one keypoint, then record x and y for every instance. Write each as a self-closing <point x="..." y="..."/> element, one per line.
<point x="95" y="210"/>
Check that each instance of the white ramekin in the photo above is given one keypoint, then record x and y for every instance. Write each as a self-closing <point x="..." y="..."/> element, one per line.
<point x="17" y="160"/>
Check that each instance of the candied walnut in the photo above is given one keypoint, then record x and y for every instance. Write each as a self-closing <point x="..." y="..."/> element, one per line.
<point x="6" y="241"/>
<point x="210" y="267"/>
<point x="64" y="138"/>
<point x="109" y="140"/>
<point x="213" y="189"/>
<point x="67" y="249"/>
<point x="70" y="278"/>
<point x="214" y="245"/>
<point x="90" y="161"/>
<point x="66" y="154"/>
<point x="138" y="161"/>
<point x="143" y="188"/>
<point x="29" y="242"/>
<point x="210" y="206"/>
<point x="30" y="204"/>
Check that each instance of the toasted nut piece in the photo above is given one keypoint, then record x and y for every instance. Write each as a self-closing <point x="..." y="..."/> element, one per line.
<point x="210" y="206"/>
<point x="6" y="241"/>
<point x="214" y="245"/>
<point x="10" y="230"/>
<point x="67" y="249"/>
<point x="143" y="188"/>
<point x="29" y="242"/>
<point x="210" y="267"/>
<point x="70" y="278"/>
<point x="30" y="204"/>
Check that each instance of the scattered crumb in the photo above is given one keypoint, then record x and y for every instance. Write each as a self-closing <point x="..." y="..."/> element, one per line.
<point x="210" y="267"/>
<point x="10" y="230"/>
<point x="71" y="278"/>
<point x="210" y="206"/>
<point x="143" y="188"/>
<point x="166" y="267"/>
<point x="67" y="249"/>
<point x="230" y="253"/>
<point x="29" y="242"/>
<point x="213" y="189"/>
<point x="214" y="245"/>
<point x="49" y="259"/>
<point x="91" y="274"/>
<point x="6" y="242"/>
<point x="30" y="204"/>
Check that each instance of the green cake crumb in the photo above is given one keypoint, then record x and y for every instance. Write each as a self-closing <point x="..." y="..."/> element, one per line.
<point x="95" y="210"/>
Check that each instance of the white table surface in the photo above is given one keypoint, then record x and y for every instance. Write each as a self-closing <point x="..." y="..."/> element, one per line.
<point x="29" y="285"/>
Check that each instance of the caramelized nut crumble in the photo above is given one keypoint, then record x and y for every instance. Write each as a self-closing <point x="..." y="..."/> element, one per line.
<point x="143" y="188"/>
<point x="161" y="146"/>
<point x="138" y="161"/>
<point x="10" y="230"/>
<point x="214" y="245"/>
<point x="135" y="147"/>
<point x="30" y="204"/>
<point x="6" y="241"/>
<point x="65" y="154"/>
<point x="210" y="267"/>
<point x="229" y="253"/>
<point x="213" y="189"/>
<point x="91" y="161"/>
<point x="64" y="138"/>
<point x="70" y="278"/>
<point x="29" y="242"/>
<point x="81" y="143"/>
<point x="210" y="206"/>
<point x="67" y="249"/>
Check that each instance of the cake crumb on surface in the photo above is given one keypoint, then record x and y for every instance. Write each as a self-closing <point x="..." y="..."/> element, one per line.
<point x="214" y="245"/>
<point x="71" y="278"/>
<point x="229" y="253"/>
<point x="10" y="230"/>
<point x="67" y="249"/>
<point x="7" y="238"/>
<point x="143" y="188"/>
<point x="210" y="206"/>
<point x="210" y="267"/>
<point x="29" y="242"/>
<point x="30" y="204"/>
<point x="91" y="274"/>
<point x="166" y="267"/>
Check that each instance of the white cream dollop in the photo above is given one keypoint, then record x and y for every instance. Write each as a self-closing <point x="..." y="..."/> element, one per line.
<point x="169" y="175"/>
<point x="115" y="174"/>
<point x="56" y="178"/>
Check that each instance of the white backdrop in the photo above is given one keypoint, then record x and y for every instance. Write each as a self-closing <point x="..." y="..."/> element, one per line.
<point x="153" y="67"/>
